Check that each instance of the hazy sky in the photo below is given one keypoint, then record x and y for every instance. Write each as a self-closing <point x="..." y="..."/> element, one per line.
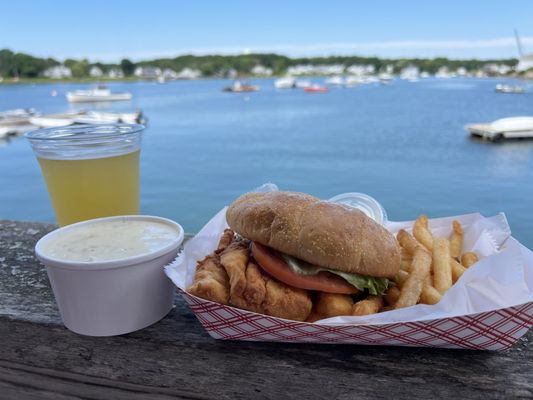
<point x="110" y="30"/>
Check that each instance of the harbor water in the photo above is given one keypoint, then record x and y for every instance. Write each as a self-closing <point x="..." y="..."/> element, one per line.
<point x="402" y="143"/>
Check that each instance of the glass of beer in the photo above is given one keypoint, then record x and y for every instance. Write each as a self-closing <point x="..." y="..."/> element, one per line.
<point x="91" y="171"/>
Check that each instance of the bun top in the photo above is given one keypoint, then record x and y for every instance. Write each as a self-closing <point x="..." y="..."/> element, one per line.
<point x="327" y="234"/>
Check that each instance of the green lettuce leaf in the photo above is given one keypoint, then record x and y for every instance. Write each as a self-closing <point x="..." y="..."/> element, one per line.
<point x="375" y="286"/>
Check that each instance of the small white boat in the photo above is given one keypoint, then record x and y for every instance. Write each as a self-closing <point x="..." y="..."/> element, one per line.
<point x="87" y="117"/>
<point x="16" y="122"/>
<point x="504" y="128"/>
<point x="361" y="80"/>
<point x="285" y="83"/>
<point x="97" y="117"/>
<point x="98" y="94"/>
<point x="240" y="87"/>
<point x="385" y="78"/>
<point x="501" y="88"/>
<point x="55" y="120"/>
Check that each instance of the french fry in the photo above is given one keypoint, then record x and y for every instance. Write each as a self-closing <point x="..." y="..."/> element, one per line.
<point x="469" y="258"/>
<point x="421" y="232"/>
<point x="412" y="287"/>
<point x="401" y="277"/>
<point x="408" y="242"/>
<point x="429" y="280"/>
<point x="405" y="255"/>
<point x="405" y="265"/>
<point x="392" y="295"/>
<point x="456" y="240"/>
<point x="442" y="269"/>
<point x="429" y="295"/>
<point x="457" y="270"/>
<point x="371" y="305"/>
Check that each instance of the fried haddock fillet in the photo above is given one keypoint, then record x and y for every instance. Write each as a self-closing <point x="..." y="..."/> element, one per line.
<point x="225" y="240"/>
<point x="251" y="289"/>
<point x="234" y="259"/>
<point x="228" y="276"/>
<point x="211" y="281"/>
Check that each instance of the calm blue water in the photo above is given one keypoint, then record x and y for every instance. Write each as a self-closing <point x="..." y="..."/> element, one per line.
<point x="403" y="144"/>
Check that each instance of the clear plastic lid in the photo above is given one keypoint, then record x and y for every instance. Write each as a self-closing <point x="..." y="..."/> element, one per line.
<point x="85" y="141"/>
<point x="365" y="203"/>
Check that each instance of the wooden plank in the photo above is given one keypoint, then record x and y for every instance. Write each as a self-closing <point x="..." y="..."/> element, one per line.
<point x="39" y="358"/>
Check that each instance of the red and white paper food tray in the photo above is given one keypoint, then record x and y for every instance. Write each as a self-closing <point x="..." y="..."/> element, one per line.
<point x="489" y="308"/>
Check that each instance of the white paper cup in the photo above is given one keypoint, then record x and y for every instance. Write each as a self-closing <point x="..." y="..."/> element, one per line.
<point x="106" y="298"/>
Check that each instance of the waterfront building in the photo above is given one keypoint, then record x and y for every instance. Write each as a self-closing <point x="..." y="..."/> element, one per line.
<point x="361" y="70"/>
<point x="147" y="72"/>
<point x="115" y="73"/>
<point x="95" y="72"/>
<point x="168" y="73"/>
<point x="189" y="73"/>
<point x="58" y="72"/>
<point x="261" y="70"/>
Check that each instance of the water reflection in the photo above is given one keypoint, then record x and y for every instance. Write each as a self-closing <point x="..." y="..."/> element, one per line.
<point x="511" y="158"/>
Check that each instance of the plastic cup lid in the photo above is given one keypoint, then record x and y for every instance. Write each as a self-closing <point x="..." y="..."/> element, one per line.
<point x="367" y="204"/>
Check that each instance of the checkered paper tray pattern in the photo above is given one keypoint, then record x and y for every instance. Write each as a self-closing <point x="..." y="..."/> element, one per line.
<point x="492" y="330"/>
<point x="489" y="308"/>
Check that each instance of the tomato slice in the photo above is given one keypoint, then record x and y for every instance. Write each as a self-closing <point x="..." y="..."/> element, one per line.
<point x="278" y="268"/>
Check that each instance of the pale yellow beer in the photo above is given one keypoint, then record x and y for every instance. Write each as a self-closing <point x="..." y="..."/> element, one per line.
<point x="91" y="188"/>
<point x="91" y="171"/>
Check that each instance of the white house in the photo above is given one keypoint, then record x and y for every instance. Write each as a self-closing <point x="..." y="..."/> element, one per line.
<point x="95" y="72"/>
<point x="189" y="73"/>
<point x="168" y="73"/>
<point x="361" y="70"/>
<point x="58" y="72"/>
<point x="261" y="70"/>
<point x="115" y="73"/>
<point x="147" y="72"/>
<point x="328" y="69"/>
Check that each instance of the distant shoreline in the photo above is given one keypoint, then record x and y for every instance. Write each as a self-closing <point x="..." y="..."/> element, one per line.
<point x="95" y="81"/>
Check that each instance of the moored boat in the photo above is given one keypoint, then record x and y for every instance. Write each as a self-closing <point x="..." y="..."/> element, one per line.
<point x="239" y="87"/>
<point x="98" y="94"/>
<point x="502" y="88"/>
<point x="316" y="89"/>
<point x="87" y="117"/>
<point x="504" y="128"/>
<point x="285" y="83"/>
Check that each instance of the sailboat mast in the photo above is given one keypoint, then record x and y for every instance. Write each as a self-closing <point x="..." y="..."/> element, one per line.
<point x="518" y="44"/>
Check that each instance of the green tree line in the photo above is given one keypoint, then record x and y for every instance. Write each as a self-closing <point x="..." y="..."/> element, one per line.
<point x="26" y="66"/>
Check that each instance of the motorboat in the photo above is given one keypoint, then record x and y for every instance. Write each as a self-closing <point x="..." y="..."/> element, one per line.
<point x="360" y="80"/>
<point x="14" y="130"/>
<point x="285" y="83"/>
<point x="240" y="87"/>
<point x="504" y="128"/>
<point x="316" y="89"/>
<point x="98" y="117"/>
<point x="502" y="88"/>
<point x="16" y="122"/>
<point x="98" y="94"/>
<point x="385" y="78"/>
<point x="55" y="120"/>
<point x="86" y="117"/>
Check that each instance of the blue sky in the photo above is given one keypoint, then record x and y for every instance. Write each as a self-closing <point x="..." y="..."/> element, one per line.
<point x="109" y="30"/>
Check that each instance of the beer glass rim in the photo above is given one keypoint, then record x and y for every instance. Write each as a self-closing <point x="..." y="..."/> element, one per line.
<point x="84" y="132"/>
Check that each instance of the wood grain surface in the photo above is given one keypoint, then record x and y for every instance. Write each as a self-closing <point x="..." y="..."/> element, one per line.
<point x="175" y="358"/>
